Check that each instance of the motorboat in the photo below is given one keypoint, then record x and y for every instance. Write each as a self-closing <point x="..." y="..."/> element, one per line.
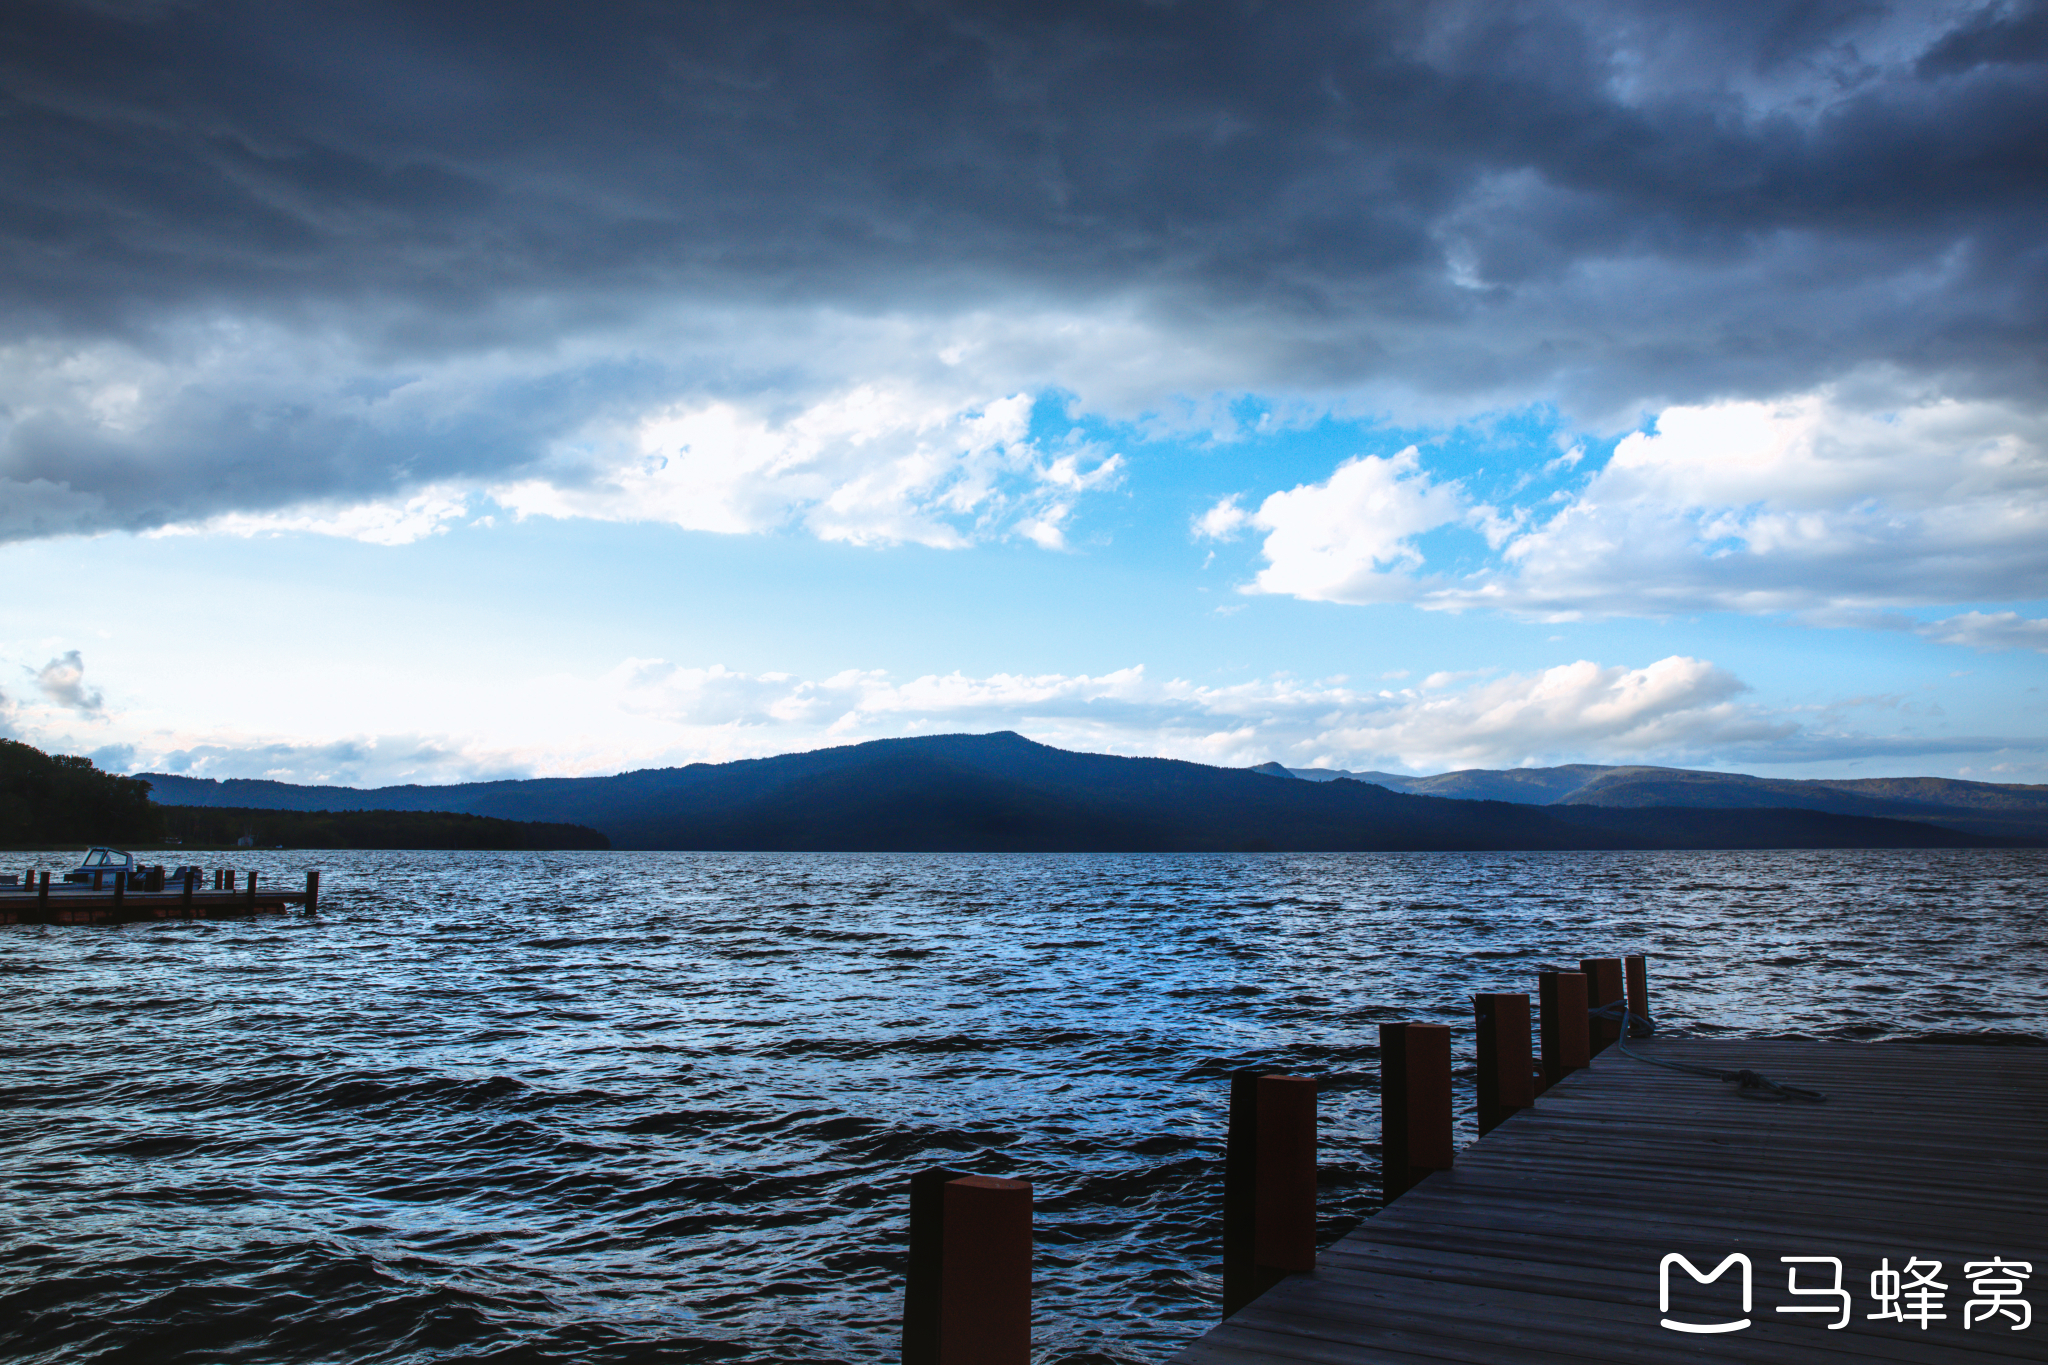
<point x="102" y="865"/>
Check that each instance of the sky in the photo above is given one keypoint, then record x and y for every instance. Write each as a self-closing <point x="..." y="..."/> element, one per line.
<point x="434" y="392"/>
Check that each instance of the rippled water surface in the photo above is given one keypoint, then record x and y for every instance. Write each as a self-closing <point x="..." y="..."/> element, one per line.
<point x="640" y="1107"/>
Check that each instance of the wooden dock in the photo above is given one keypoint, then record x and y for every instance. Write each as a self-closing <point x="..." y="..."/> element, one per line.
<point x="1547" y="1241"/>
<point x="71" y="904"/>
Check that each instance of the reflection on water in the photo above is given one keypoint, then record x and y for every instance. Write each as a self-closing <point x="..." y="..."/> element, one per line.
<point x="626" y="1107"/>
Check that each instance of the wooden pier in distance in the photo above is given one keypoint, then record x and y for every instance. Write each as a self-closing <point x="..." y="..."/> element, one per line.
<point x="1546" y="1242"/>
<point x="56" y="902"/>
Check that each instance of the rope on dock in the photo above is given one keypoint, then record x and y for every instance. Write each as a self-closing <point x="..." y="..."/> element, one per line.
<point x="1754" y="1085"/>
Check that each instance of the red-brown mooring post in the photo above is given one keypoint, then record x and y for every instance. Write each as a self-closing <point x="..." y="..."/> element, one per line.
<point x="1269" y="1183"/>
<point x="1603" y="987"/>
<point x="1284" y="1232"/>
<point x="1561" y="1001"/>
<point x="1637" y="973"/>
<point x="1507" y="1081"/>
<point x="967" y="1297"/>
<point x="252" y="888"/>
<point x="185" y="897"/>
<point x="43" y="893"/>
<point x="1415" y="1105"/>
<point x="312" y="891"/>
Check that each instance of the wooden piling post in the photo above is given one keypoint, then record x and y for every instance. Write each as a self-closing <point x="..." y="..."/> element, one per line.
<point x="1561" y="1002"/>
<point x="43" y="893"/>
<point x="967" y="1297"/>
<point x="1284" y="1230"/>
<point x="1603" y="987"/>
<point x="1415" y="1105"/>
<point x="927" y="1265"/>
<point x="1507" y="1083"/>
<point x="1269" y="1183"/>
<point x="1241" y="1190"/>
<point x="1636" y="972"/>
<point x="985" y="1308"/>
<point x="185" y="899"/>
<point x="312" y="891"/>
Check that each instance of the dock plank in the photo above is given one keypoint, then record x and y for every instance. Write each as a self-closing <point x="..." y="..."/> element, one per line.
<point x="1544" y="1243"/>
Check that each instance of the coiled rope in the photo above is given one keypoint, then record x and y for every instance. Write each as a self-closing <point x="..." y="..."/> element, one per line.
<point x="1753" y="1085"/>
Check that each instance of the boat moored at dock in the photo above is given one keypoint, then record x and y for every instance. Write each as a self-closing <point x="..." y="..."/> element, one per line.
<point x="101" y="865"/>
<point x="115" y="890"/>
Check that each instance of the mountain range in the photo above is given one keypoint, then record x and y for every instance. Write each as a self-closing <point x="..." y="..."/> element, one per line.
<point x="1002" y="792"/>
<point x="2005" y="809"/>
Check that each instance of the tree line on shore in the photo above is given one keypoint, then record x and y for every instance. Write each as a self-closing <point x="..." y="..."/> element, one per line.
<point x="48" y="800"/>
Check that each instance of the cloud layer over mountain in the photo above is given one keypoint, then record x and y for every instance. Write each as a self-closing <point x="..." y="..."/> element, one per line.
<point x="652" y="712"/>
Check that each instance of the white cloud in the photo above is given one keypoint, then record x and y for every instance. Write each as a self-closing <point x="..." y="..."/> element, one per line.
<point x="1805" y="503"/>
<point x="849" y="428"/>
<point x="1676" y="706"/>
<point x="867" y="427"/>
<point x="62" y="681"/>
<point x="869" y="465"/>
<point x="378" y="523"/>
<point x="1225" y="521"/>
<point x="1352" y="537"/>
<point x="652" y="712"/>
<point x="1989" y="631"/>
<point x="1821" y="501"/>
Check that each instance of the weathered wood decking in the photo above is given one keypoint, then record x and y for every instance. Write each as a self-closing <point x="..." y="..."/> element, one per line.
<point x="1544" y="1244"/>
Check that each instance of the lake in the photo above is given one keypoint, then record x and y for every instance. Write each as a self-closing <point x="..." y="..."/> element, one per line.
<point x="628" y="1107"/>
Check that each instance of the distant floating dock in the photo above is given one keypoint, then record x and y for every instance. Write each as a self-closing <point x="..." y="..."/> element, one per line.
<point x="1554" y="1238"/>
<point x="117" y="901"/>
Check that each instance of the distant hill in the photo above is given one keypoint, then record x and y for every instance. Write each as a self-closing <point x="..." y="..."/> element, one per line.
<point x="1524" y="786"/>
<point x="1997" y="809"/>
<point x="49" y="800"/>
<point x="1004" y="792"/>
<point x="222" y="826"/>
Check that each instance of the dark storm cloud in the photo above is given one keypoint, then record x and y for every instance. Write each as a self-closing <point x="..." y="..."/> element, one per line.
<point x="1607" y="204"/>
